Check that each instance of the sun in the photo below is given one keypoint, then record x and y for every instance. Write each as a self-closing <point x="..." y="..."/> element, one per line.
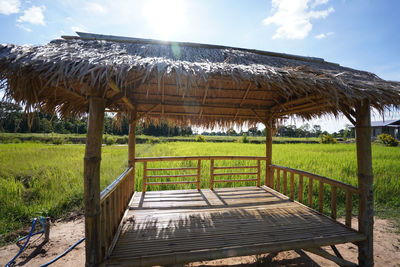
<point x="166" y="17"/>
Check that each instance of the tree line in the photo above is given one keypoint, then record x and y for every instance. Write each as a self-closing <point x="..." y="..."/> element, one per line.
<point x="13" y="119"/>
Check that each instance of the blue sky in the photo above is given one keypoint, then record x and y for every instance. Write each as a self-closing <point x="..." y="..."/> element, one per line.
<point x="362" y="34"/>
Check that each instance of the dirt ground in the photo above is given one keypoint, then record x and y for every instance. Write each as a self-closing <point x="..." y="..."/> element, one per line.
<point x="64" y="233"/>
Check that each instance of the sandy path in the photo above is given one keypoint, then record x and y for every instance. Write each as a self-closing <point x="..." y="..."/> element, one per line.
<point x="65" y="233"/>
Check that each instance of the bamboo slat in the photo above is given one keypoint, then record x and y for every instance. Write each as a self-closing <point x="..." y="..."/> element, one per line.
<point x="199" y="157"/>
<point x="310" y="191"/>
<point x="198" y="174"/>
<point x="168" y="183"/>
<point x="235" y="173"/>
<point x="321" y="197"/>
<point x="235" y="167"/>
<point x="258" y="172"/>
<point x="169" y="176"/>
<point x="144" y="176"/>
<point x="278" y="180"/>
<point x="291" y="185"/>
<point x="285" y="182"/>
<point x="237" y="180"/>
<point x="301" y="189"/>
<point x="212" y="174"/>
<point x="349" y="207"/>
<point x="333" y="202"/>
<point x="326" y="180"/>
<point x="172" y="169"/>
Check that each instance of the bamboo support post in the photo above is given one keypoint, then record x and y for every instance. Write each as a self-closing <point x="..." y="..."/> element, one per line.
<point x="321" y="197"/>
<point x="103" y="225"/>
<point x="132" y="150"/>
<point x="365" y="183"/>
<point x="310" y="191"/>
<point x="198" y="174"/>
<point x="349" y="208"/>
<point x="333" y="202"/>
<point x="301" y="188"/>
<point x="292" y="185"/>
<point x="258" y="172"/>
<point x="144" y="176"/>
<point x="268" y="144"/>
<point x="92" y="180"/>
<point x="212" y="174"/>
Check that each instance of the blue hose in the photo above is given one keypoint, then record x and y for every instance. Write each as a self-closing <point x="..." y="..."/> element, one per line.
<point x="63" y="254"/>
<point x="28" y="237"/>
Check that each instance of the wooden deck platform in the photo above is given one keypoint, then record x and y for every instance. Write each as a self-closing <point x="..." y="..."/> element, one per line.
<point x="178" y="226"/>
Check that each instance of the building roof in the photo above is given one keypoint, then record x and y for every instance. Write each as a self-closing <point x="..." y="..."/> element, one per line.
<point x="384" y="123"/>
<point x="199" y="84"/>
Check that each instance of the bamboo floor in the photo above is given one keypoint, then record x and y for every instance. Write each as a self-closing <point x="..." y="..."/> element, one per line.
<point x="180" y="226"/>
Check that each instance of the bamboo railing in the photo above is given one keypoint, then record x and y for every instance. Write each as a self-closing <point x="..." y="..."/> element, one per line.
<point x="280" y="185"/>
<point x="114" y="200"/>
<point x="197" y="168"/>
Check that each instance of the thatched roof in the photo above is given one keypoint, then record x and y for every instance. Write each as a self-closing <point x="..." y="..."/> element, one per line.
<point x="192" y="83"/>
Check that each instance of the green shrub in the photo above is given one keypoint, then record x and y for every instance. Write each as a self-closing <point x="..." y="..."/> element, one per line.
<point x="243" y="139"/>
<point x="153" y="141"/>
<point x="200" y="138"/>
<point x="16" y="141"/>
<point x="328" y="139"/>
<point x="110" y="140"/>
<point x="388" y="140"/>
<point x="58" y="141"/>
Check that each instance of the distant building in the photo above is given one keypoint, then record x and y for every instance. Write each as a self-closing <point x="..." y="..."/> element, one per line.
<point x="391" y="127"/>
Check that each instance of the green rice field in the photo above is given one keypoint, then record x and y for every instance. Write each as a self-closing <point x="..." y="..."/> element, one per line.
<point x="47" y="180"/>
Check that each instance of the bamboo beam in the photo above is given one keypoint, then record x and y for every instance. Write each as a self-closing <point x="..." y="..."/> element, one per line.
<point x="323" y="253"/>
<point x="311" y="108"/>
<point x="245" y="94"/>
<point x="115" y="88"/>
<point x="196" y="104"/>
<point x="145" y="113"/>
<point x="365" y="184"/>
<point x="198" y="99"/>
<point x="204" y="99"/>
<point x="162" y="96"/>
<point x="246" y="117"/>
<point x="285" y="105"/>
<point x="258" y="117"/>
<point x="92" y="180"/>
<point x="205" y="94"/>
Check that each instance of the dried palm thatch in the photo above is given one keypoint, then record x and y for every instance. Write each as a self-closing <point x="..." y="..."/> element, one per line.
<point x="190" y="83"/>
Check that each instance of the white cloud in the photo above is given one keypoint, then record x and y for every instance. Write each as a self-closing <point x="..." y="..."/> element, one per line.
<point x="323" y="35"/>
<point x="293" y="17"/>
<point x="318" y="3"/>
<point x="33" y="15"/>
<point x="8" y="7"/>
<point x="23" y="27"/>
<point x="95" y="8"/>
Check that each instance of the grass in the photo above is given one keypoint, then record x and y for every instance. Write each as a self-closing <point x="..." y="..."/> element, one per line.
<point x="55" y="138"/>
<point x="47" y="180"/>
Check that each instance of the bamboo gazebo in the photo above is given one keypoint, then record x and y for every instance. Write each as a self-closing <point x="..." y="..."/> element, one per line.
<point x="203" y="85"/>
